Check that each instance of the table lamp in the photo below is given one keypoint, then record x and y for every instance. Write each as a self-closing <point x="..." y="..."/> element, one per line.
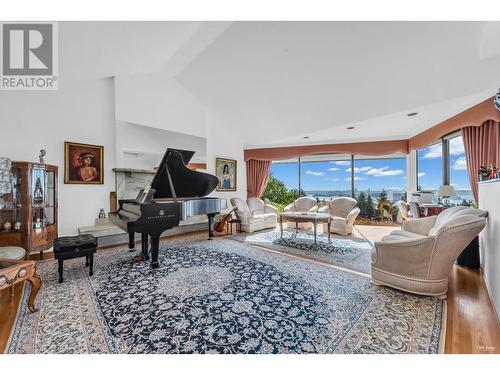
<point x="446" y="191"/>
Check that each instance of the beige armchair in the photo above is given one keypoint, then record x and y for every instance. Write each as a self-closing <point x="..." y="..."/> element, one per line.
<point x="419" y="257"/>
<point x="404" y="210"/>
<point x="302" y="204"/>
<point x="254" y="214"/>
<point x="343" y="211"/>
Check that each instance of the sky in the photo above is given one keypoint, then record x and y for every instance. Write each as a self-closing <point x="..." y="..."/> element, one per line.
<point x="378" y="174"/>
<point x="430" y="167"/>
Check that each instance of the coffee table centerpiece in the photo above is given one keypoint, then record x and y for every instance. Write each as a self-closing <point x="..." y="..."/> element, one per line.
<point x="306" y="217"/>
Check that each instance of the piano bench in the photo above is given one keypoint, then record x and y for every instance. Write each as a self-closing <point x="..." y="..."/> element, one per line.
<point x="84" y="245"/>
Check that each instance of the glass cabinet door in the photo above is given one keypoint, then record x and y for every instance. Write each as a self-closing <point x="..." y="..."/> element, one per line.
<point x="10" y="201"/>
<point x="43" y="197"/>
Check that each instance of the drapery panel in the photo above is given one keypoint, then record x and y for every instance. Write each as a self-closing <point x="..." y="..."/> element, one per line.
<point x="257" y="176"/>
<point x="482" y="147"/>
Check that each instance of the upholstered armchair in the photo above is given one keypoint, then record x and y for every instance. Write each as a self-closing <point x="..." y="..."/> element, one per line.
<point x="404" y="210"/>
<point x="254" y="214"/>
<point x="302" y="204"/>
<point x="344" y="211"/>
<point x="419" y="257"/>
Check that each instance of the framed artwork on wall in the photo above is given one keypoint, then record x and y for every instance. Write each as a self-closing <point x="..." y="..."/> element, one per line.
<point x="83" y="163"/>
<point x="225" y="170"/>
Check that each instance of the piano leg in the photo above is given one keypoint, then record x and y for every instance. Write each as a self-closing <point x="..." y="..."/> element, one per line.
<point x="211" y="225"/>
<point x="131" y="244"/>
<point x="155" y="244"/>
<point x="145" y="245"/>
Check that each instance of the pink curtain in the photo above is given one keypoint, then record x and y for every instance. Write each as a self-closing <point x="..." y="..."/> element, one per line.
<point x="482" y="147"/>
<point x="257" y="176"/>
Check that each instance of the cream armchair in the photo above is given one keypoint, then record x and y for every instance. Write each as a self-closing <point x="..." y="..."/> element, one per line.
<point x="302" y="204"/>
<point x="419" y="257"/>
<point x="343" y="211"/>
<point x="254" y="214"/>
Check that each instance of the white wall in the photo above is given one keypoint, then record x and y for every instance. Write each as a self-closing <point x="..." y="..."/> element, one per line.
<point x="142" y="147"/>
<point x="222" y="142"/>
<point x="79" y="111"/>
<point x="156" y="101"/>
<point x="489" y="200"/>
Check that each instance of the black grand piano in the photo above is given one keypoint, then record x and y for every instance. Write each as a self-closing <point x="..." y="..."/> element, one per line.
<point x="176" y="193"/>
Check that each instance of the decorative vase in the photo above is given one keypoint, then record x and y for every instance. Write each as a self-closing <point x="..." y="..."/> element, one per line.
<point x="17" y="225"/>
<point x="7" y="225"/>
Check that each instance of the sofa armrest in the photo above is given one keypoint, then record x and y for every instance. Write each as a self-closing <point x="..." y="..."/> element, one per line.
<point x="324" y="209"/>
<point x="408" y="257"/>
<point x="289" y="208"/>
<point x="351" y="216"/>
<point x="241" y="216"/>
<point x="420" y="226"/>
<point x="269" y="208"/>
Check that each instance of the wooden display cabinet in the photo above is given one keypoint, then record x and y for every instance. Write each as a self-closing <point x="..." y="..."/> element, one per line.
<point x="31" y="207"/>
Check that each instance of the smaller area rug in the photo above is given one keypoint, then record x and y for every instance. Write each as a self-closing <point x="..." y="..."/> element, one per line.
<point x="349" y="252"/>
<point x="220" y="296"/>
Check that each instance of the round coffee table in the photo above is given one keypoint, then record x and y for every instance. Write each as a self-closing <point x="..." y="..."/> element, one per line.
<point x="305" y="217"/>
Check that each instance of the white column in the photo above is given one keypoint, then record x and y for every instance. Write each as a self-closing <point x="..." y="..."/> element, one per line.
<point x="411" y="173"/>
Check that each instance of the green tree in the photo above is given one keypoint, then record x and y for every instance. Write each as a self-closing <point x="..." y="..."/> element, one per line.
<point x="277" y="192"/>
<point x="362" y="204"/>
<point x="370" y="209"/>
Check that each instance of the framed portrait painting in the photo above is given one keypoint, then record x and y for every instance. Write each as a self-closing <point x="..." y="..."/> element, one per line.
<point x="225" y="170"/>
<point x="83" y="164"/>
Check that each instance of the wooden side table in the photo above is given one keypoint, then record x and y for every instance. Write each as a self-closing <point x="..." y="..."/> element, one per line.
<point x="16" y="271"/>
<point x="229" y="228"/>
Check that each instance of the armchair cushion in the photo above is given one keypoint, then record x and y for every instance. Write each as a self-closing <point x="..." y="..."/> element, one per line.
<point x="420" y="226"/>
<point x="302" y="204"/>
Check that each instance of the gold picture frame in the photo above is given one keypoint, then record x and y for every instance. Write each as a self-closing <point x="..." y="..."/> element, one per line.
<point x="83" y="164"/>
<point x="226" y="171"/>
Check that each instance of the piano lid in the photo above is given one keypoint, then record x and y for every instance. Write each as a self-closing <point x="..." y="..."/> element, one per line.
<point x="184" y="181"/>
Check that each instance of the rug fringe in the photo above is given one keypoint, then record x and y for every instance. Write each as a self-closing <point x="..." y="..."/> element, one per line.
<point x="442" y="336"/>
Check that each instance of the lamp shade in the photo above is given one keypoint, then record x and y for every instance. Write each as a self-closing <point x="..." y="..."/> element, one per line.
<point x="446" y="191"/>
<point x="5" y="175"/>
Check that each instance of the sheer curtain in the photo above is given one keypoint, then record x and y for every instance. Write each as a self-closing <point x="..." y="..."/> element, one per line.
<point x="482" y="147"/>
<point x="257" y="176"/>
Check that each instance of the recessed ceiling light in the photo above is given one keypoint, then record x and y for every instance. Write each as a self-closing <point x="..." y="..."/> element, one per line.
<point x="412" y="114"/>
<point x="350" y="127"/>
<point x="306" y="137"/>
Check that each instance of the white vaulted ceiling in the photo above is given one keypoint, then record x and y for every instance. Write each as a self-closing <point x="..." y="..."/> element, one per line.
<point x="280" y="81"/>
<point x="276" y="82"/>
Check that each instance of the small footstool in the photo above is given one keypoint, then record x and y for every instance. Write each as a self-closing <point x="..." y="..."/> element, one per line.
<point x="84" y="245"/>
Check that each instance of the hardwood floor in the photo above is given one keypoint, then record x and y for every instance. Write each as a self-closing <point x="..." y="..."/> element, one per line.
<point x="472" y="326"/>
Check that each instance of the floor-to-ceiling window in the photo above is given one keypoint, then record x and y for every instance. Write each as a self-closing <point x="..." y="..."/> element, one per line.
<point x="444" y="163"/>
<point x="430" y="167"/>
<point x="459" y="176"/>
<point x="329" y="176"/>
<point x="283" y="185"/>
<point x="325" y="177"/>
<point x="379" y="180"/>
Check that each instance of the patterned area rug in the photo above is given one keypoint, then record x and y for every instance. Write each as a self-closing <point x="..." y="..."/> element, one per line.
<point x="220" y="297"/>
<point x="349" y="252"/>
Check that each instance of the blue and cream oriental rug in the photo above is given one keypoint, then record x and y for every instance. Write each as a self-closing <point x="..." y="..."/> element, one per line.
<point x="349" y="252"/>
<point x="220" y="296"/>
